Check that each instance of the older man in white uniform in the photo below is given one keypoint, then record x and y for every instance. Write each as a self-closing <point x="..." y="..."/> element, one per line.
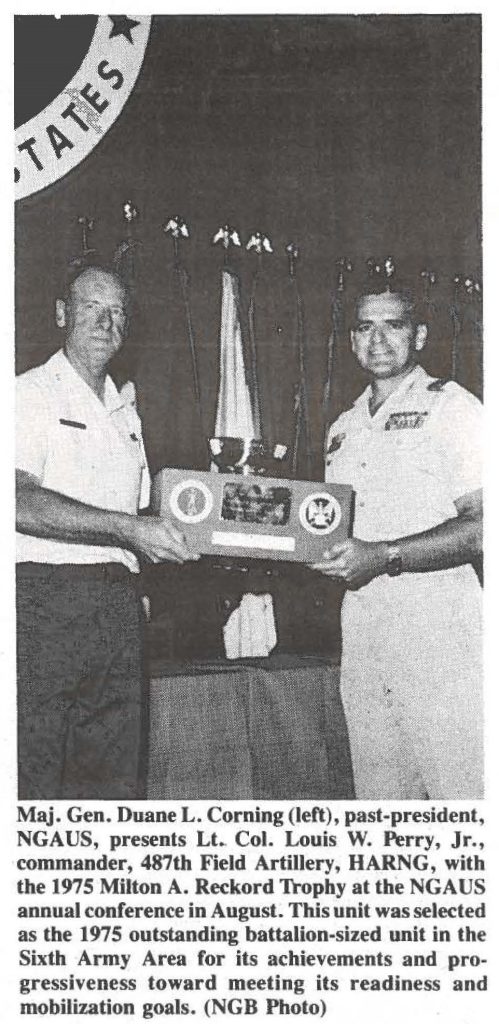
<point x="81" y="479"/>
<point x="411" y="672"/>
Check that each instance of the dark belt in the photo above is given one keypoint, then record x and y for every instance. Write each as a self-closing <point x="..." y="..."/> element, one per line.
<point x="105" y="572"/>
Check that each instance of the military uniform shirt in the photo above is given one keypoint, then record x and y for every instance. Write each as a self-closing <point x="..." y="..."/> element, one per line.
<point x="411" y="645"/>
<point x="80" y="447"/>
<point x="410" y="461"/>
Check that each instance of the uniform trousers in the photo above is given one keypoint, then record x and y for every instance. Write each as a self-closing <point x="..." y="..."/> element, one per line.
<point x="81" y="689"/>
<point x="411" y="686"/>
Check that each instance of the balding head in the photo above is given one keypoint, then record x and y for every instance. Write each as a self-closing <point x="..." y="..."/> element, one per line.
<point x="90" y="273"/>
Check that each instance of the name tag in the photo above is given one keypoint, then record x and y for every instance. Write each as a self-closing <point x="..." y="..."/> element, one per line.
<point x="73" y="423"/>
<point x="406" y="420"/>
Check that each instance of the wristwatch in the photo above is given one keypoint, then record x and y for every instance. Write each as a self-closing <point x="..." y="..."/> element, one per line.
<point x="394" y="565"/>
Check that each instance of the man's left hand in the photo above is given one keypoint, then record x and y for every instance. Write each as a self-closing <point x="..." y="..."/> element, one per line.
<point x="356" y="562"/>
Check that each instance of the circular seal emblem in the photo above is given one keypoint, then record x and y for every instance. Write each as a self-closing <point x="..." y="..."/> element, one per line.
<point x="191" y="501"/>
<point x="74" y="75"/>
<point x="320" y="513"/>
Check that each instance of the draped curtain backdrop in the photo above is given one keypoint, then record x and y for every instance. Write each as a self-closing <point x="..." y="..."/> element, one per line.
<point x="349" y="135"/>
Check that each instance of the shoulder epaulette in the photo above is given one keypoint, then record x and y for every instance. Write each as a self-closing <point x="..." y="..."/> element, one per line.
<point x="438" y="385"/>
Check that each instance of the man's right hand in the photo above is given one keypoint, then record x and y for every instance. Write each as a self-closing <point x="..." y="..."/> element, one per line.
<point x="159" y="540"/>
<point x="46" y="513"/>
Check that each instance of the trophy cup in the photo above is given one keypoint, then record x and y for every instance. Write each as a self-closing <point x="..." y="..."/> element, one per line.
<point x="248" y="455"/>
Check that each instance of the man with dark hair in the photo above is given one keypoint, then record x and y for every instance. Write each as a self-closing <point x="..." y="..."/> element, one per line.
<point x="81" y="479"/>
<point x="411" y="627"/>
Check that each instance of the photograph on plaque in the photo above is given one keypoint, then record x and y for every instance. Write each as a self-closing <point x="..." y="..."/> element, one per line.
<point x="252" y="503"/>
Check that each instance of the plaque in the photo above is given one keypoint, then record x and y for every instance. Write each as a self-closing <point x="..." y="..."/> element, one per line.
<point x="254" y="516"/>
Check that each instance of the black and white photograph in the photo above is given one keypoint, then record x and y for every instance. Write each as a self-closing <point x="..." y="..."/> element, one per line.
<point x="248" y="247"/>
<point x="243" y="710"/>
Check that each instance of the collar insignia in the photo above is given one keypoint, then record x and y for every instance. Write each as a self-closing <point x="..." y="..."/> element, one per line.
<point x="438" y="385"/>
<point x="335" y="443"/>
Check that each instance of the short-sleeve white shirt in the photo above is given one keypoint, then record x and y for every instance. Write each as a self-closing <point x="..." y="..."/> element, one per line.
<point x="81" y="447"/>
<point x="410" y="461"/>
<point x="411" y="644"/>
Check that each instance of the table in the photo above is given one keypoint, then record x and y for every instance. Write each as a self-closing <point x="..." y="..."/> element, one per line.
<point x="255" y="729"/>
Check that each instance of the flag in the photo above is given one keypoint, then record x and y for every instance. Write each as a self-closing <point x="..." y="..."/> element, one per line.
<point x="250" y="631"/>
<point x="236" y="412"/>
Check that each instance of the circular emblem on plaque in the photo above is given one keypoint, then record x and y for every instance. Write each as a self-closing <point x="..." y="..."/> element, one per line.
<point x="191" y="501"/>
<point x="320" y="513"/>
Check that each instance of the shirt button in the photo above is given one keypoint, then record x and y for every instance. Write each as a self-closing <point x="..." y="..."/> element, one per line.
<point x="363" y="465"/>
<point x="362" y="504"/>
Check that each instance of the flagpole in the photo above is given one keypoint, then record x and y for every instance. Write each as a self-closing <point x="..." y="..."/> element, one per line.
<point x="260" y="244"/>
<point x="301" y="398"/>
<point x="344" y="265"/>
<point x="86" y="225"/>
<point x="177" y="228"/>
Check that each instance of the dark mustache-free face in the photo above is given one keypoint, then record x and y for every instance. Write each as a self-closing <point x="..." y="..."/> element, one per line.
<point x="385" y="338"/>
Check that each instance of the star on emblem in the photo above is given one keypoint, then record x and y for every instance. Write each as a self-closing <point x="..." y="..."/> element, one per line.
<point x="122" y="26"/>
